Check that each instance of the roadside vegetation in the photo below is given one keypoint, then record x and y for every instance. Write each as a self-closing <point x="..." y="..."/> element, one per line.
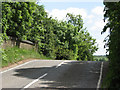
<point x="100" y="58"/>
<point x="55" y="39"/>
<point x="15" y="54"/>
<point x="112" y="16"/>
<point x="60" y="39"/>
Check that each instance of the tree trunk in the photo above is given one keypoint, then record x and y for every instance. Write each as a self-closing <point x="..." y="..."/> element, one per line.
<point x="18" y="43"/>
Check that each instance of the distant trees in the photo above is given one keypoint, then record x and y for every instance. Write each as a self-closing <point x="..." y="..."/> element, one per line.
<point x="100" y="58"/>
<point x="112" y="14"/>
<point x="56" y="39"/>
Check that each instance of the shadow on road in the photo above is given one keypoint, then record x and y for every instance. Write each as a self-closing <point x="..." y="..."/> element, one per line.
<point x="69" y="75"/>
<point x="32" y="73"/>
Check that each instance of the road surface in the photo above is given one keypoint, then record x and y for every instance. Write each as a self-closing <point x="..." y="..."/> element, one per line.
<point x="49" y="75"/>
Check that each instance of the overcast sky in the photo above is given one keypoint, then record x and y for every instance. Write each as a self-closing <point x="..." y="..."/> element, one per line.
<point x="92" y="14"/>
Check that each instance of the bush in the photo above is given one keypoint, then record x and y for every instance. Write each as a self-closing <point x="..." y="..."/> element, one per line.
<point x="3" y="56"/>
<point x="64" y="54"/>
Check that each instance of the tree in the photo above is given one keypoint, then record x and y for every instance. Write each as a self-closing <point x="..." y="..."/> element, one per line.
<point x="17" y="19"/>
<point x="56" y="39"/>
<point x="112" y="14"/>
<point x="82" y="43"/>
<point x="37" y="32"/>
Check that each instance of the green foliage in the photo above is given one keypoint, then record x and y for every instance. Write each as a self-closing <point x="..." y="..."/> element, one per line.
<point x="17" y="19"/>
<point x="3" y="56"/>
<point x="64" y="54"/>
<point x="16" y="54"/>
<point x="56" y="39"/>
<point x="100" y="58"/>
<point x="82" y="44"/>
<point x="112" y="13"/>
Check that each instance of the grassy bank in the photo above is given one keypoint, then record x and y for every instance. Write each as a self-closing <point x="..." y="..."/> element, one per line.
<point x="15" y="54"/>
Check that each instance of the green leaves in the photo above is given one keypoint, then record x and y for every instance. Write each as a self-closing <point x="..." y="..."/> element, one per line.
<point x="18" y="17"/>
<point x="53" y="38"/>
<point x="112" y="14"/>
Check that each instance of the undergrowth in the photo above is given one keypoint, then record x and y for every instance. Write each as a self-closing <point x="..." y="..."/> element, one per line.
<point x="16" y="54"/>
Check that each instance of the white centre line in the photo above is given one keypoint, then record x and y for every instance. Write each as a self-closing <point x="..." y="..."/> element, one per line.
<point x="34" y="81"/>
<point x="60" y="64"/>
<point x="100" y="77"/>
<point x="27" y="86"/>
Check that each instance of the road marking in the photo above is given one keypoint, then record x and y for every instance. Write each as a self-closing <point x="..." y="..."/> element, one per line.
<point x="40" y="77"/>
<point x="17" y="66"/>
<point x="100" y="77"/>
<point x="60" y="64"/>
<point x="34" y="81"/>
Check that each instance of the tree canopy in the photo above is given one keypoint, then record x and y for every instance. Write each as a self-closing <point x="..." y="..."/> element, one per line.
<point x="112" y="14"/>
<point x="57" y="39"/>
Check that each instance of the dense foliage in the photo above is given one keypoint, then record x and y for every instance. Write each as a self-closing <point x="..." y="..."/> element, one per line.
<point x="3" y="56"/>
<point x="56" y="39"/>
<point x="112" y="14"/>
<point x="17" y="19"/>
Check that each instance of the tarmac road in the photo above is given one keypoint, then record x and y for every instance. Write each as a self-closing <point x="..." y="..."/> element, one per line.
<point x="54" y="74"/>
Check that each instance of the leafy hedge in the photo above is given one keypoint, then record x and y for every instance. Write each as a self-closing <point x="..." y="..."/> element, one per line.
<point x="112" y="14"/>
<point x="56" y="39"/>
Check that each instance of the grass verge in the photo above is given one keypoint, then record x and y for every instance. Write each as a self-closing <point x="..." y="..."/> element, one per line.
<point x="15" y="54"/>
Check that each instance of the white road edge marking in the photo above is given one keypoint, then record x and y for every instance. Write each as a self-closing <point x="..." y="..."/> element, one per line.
<point x="18" y="66"/>
<point x="99" y="81"/>
<point x="60" y="64"/>
<point x="34" y="81"/>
